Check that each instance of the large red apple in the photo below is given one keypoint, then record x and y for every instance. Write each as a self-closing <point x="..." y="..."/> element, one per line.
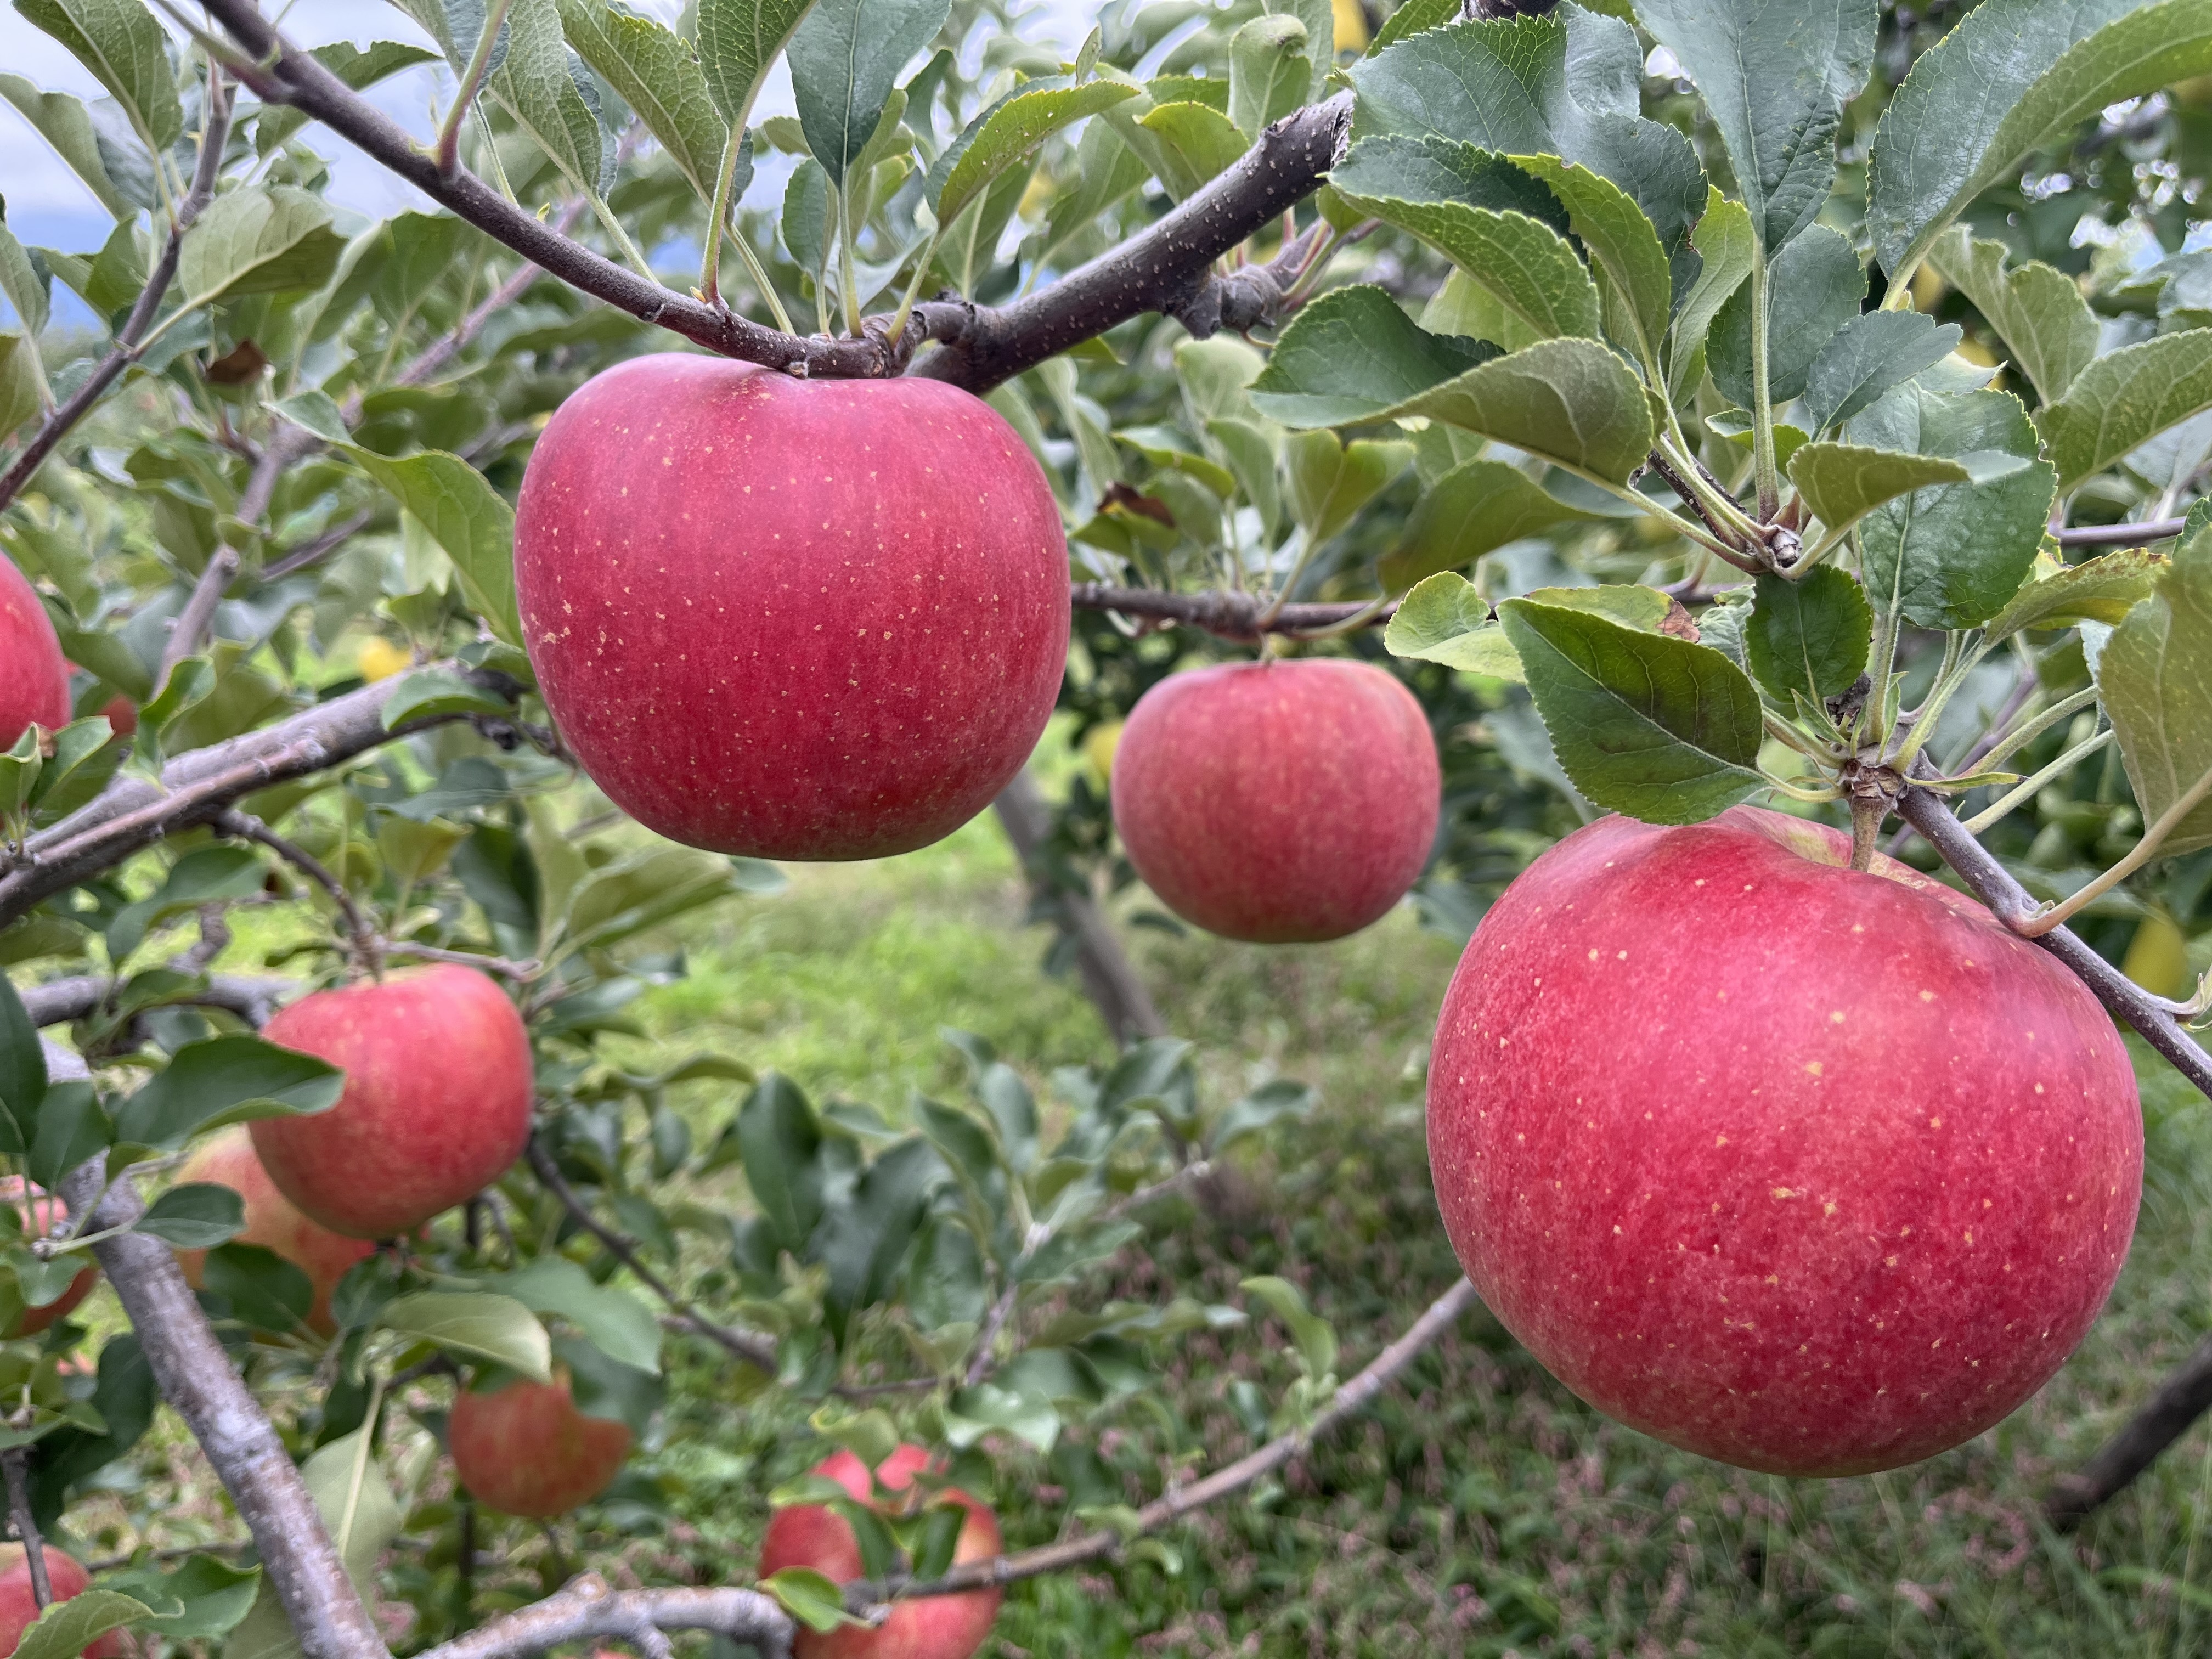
<point x="526" y="1450"/>
<point x="927" y="1627"/>
<point x="436" y="1104"/>
<point x="46" y="1213"/>
<point x="272" y="1221"/>
<point x="1812" y="1171"/>
<point x="1280" y="802"/>
<point x="18" y="1605"/>
<point x="796" y="619"/>
<point x="33" y="677"/>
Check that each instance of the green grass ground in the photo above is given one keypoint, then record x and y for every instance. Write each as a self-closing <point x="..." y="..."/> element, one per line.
<point x="1481" y="1510"/>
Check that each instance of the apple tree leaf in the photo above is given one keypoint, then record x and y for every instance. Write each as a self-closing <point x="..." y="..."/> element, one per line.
<point x="2100" y="590"/>
<point x="1352" y="355"/>
<point x="2154" y="679"/>
<point x="844" y="57"/>
<point x="1810" y="636"/>
<point x="2126" y="398"/>
<point x="740" y="41"/>
<point x="1843" y="483"/>
<point x="1478" y="506"/>
<point x="1871" y="353"/>
<point x="2036" y="309"/>
<point x="653" y="70"/>
<point x="127" y="52"/>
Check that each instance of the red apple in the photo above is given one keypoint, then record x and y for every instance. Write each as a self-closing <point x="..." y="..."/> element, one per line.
<point x="34" y="679"/>
<point x="928" y="1627"/>
<point x="436" y="1103"/>
<point x="795" y="619"/>
<point x="1279" y="802"/>
<point x="1812" y="1171"/>
<point x="46" y="1210"/>
<point x="122" y="715"/>
<point x="526" y="1450"/>
<point x="18" y="1605"/>
<point x="271" y="1221"/>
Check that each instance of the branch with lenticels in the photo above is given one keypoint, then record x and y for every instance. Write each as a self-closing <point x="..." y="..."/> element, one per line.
<point x="1166" y="267"/>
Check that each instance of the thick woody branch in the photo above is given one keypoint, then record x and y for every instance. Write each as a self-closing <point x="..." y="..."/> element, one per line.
<point x="201" y="784"/>
<point x="1230" y="616"/>
<point x="585" y="1610"/>
<point x="195" y="1376"/>
<point x="1994" y="886"/>
<point x="1166" y="267"/>
<point x="59" y="1001"/>
<point x="124" y="352"/>
<point x="1354" y="1396"/>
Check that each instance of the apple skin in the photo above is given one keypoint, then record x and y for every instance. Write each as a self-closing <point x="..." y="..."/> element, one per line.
<point x="932" y="1627"/>
<point x="436" y="1104"/>
<point x="791" y="619"/>
<point x="33" y="676"/>
<point x="45" y="1210"/>
<point x="1281" y="803"/>
<point x="526" y="1450"/>
<point x="122" y="715"/>
<point x="65" y="1577"/>
<point x="1812" y="1171"/>
<point x="272" y="1221"/>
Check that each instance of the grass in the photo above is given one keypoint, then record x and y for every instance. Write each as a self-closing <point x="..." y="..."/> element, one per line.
<point x="1480" y="1509"/>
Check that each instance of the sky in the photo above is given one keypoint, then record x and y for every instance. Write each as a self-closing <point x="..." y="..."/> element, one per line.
<point x="47" y="207"/>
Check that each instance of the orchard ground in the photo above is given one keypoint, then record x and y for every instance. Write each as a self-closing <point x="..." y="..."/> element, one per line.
<point x="1479" y="1509"/>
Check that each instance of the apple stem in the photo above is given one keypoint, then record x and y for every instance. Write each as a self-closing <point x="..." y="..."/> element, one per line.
<point x="13" y="1464"/>
<point x="1867" y="812"/>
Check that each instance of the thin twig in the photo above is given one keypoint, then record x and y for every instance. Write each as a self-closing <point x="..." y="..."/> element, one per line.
<point x="1441" y="1315"/>
<point x="1229" y="615"/>
<point x="754" y="1350"/>
<point x="2121" y="535"/>
<point x="300" y="557"/>
<point x="369" y="949"/>
<point x="13" y="1465"/>
<point x="214" y="133"/>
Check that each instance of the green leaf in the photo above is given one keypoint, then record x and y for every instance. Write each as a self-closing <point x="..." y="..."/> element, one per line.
<point x="1871" y="353"/>
<point x="1477" y="507"/>
<point x="844" y="57"/>
<point x="1813" y="287"/>
<point x="781" y="1142"/>
<point x="2014" y="76"/>
<point x="1621" y="240"/>
<point x="2154" y="679"/>
<point x="617" y="1323"/>
<point x="478" y="1324"/>
<point x="1261" y="1110"/>
<point x="1008" y="133"/>
<point x="429" y="692"/>
<point x="25" y="288"/>
<point x="972" y="1412"/>
<point x="1270" y="69"/>
<point x="1575" y="402"/>
<point x="1843" y="483"/>
<point x="1330" y="481"/>
<point x="534" y="83"/>
<point x="1445" y="620"/>
<point x="1354" y="356"/>
<point x="2100" y="590"/>
<point x="1644" y="723"/>
<point x="124" y="48"/>
<point x="315" y="412"/>
<point x="740" y="41"/>
<point x="1412" y="18"/>
<point x="653" y="70"/>
<point x="1197" y="144"/>
<point x="1775" y="75"/>
<point x="1723" y="242"/>
<point x="22" y="1073"/>
<point x="64" y="122"/>
<point x="210" y="1596"/>
<point x="2036" y="309"/>
<point x="67" y="1628"/>
<point x="1951" y="556"/>
<point x="196" y="1216"/>
<point x="257" y="240"/>
<point x="21" y="374"/>
<point x="205" y="875"/>
<point x="355" y="1502"/>
<point x="812" y="1598"/>
<point x="1474" y="210"/>
<point x="467" y="517"/>
<point x="1810" y="636"/>
<point x="1317" y="1342"/>
<point x="221" y="1080"/>
<point x="2123" y="398"/>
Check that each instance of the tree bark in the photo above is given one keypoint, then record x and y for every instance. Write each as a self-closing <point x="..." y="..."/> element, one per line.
<point x="2183" y="1397"/>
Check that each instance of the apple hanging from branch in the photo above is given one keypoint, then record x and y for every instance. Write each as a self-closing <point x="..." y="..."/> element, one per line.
<point x="1814" y="1171"/>
<point x="524" y="1447"/>
<point x="272" y="1221"/>
<point x="791" y="619"/>
<point x="34" y="676"/>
